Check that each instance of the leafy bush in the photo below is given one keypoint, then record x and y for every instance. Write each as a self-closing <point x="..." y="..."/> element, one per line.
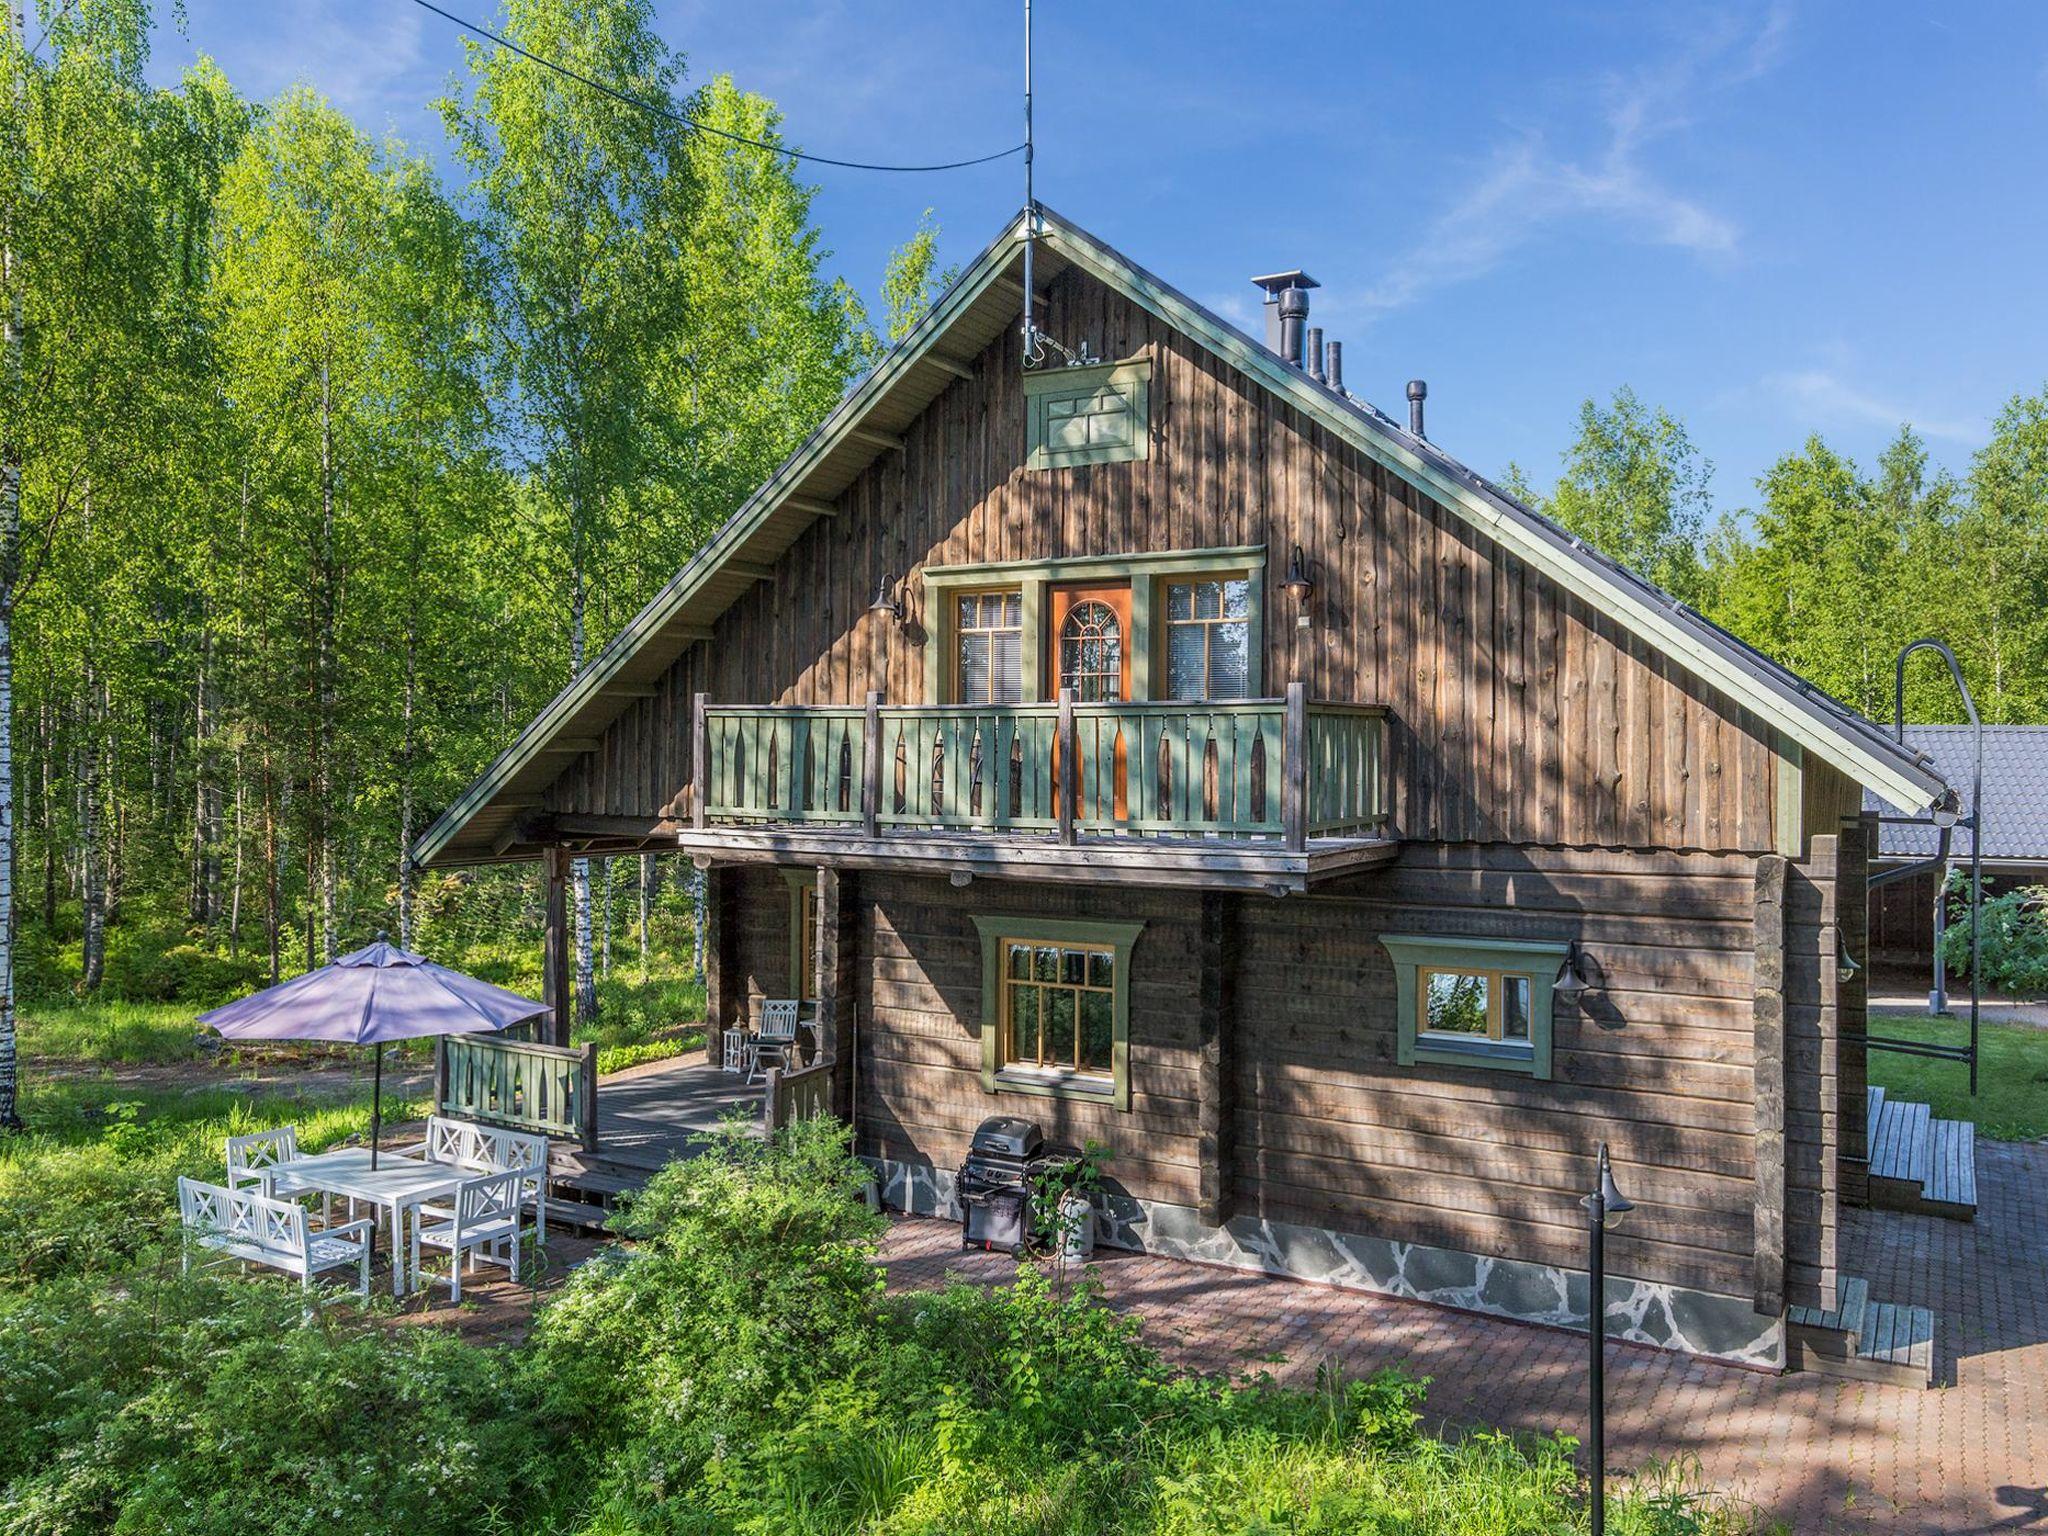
<point x="141" y="970"/>
<point x="2014" y="949"/>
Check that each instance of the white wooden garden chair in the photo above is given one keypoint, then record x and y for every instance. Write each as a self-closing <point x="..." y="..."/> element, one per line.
<point x="484" y="1222"/>
<point x="775" y="1044"/>
<point x="251" y="1157"/>
<point x="478" y="1148"/>
<point x="248" y="1225"/>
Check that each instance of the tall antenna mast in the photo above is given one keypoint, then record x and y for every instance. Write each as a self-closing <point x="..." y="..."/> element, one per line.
<point x="1031" y="347"/>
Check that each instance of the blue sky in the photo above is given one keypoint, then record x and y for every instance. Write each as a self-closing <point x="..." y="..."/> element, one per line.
<point x="1770" y="219"/>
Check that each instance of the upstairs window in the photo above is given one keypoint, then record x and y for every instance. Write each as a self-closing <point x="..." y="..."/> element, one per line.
<point x="1100" y="414"/>
<point x="1209" y="638"/>
<point x="1092" y="653"/>
<point x="990" y="627"/>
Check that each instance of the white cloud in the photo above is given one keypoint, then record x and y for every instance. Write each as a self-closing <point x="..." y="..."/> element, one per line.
<point x="1824" y="398"/>
<point x="1528" y="187"/>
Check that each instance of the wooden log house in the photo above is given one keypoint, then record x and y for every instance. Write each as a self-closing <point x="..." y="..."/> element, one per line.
<point x="1178" y="751"/>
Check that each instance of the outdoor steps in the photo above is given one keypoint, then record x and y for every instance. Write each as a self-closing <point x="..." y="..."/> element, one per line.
<point x="1919" y="1163"/>
<point x="1863" y="1340"/>
<point x="593" y="1181"/>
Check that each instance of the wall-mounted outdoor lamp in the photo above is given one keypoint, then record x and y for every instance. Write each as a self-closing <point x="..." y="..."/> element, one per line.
<point x="1298" y="585"/>
<point x="1846" y="964"/>
<point x="1604" y="1209"/>
<point x="1571" y="982"/>
<point x="888" y="600"/>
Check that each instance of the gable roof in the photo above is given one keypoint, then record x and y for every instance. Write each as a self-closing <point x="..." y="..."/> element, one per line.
<point x="2015" y="793"/>
<point x="982" y="303"/>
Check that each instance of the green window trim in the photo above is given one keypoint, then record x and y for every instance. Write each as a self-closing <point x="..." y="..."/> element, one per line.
<point x="1539" y="960"/>
<point x="1107" y="406"/>
<point x="1147" y="574"/>
<point x="1118" y="937"/>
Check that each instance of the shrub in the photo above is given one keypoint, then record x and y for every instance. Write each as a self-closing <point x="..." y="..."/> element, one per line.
<point x="140" y="969"/>
<point x="754" y="1280"/>
<point x="2014" y="948"/>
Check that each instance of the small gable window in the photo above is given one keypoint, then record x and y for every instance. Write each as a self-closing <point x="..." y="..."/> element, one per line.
<point x="1094" y="415"/>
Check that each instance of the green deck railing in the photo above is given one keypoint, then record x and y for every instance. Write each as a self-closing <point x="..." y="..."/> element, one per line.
<point x="1253" y="768"/>
<point x="547" y="1089"/>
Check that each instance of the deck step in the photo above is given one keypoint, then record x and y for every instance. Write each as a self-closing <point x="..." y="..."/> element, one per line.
<point x="1919" y="1163"/>
<point x="1884" y="1341"/>
<point x="577" y="1215"/>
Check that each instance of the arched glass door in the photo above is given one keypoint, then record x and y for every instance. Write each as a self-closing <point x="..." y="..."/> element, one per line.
<point x="1092" y="652"/>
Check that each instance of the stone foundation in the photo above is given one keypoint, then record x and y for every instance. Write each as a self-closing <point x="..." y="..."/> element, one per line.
<point x="1639" y="1311"/>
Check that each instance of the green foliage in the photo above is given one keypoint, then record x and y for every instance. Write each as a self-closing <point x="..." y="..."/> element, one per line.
<point x="1635" y="488"/>
<point x="2013" y="948"/>
<point x="2011" y="1102"/>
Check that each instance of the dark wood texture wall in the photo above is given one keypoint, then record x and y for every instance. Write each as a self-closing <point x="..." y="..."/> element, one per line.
<point x="1325" y="1128"/>
<point x="1519" y="714"/>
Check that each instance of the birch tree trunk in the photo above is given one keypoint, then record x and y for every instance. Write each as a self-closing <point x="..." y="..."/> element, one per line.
<point x="92" y="856"/>
<point x="579" y="869"/>
<point x="10" y="573"/>
<point x="647" y="868"/>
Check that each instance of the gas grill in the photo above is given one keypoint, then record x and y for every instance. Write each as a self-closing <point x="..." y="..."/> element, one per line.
<point x="994" y="1184"/>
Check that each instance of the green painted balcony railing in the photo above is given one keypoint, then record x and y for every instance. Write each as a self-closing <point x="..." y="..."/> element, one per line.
<point x="547" y="1089"/>
<point x="1281" y="768"/>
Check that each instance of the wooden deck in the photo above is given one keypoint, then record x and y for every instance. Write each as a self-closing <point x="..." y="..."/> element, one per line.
<point x="647" y="1117"/>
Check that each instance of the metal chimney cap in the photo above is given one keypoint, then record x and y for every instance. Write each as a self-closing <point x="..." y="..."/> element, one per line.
<point x="1275" y="282"/>
<point x="1417" y="389"/>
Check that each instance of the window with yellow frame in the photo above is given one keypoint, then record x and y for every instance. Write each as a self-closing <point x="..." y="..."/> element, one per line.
<point x="1475" y="1002"/>
<point x="1056" y="1006"/>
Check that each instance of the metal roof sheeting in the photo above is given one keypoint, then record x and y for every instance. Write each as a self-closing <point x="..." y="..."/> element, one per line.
<point x="2015" y="792"/>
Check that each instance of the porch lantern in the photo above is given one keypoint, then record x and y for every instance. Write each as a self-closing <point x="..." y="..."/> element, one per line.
<point x="1605" y="1207"/>
<point x="1571" y="983"/>
<point x="887" y="601"/>
<point x="1298" y="584"/>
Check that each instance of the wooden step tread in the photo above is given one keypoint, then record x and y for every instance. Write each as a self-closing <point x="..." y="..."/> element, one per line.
<point x="597" y="1181"/>
<point x="1899" y="1335"/>
<point x="1903" y="1147"/>
<point x="1952" y="1174"/>
<point x="1845" y="1317"/>
<point x="579" y="1214"/>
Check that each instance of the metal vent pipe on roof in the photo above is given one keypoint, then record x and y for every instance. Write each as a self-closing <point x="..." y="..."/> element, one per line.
<point x="1333" y="366"/>
<point x="1418" y="391"/>
<point x="1315" y="353"/>
<point x="1286" y="311"/>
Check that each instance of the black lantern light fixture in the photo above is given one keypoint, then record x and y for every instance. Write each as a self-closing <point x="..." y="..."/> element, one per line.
<point x="887" y="600"/>
<point x="1571" y="982"/>
<point x="1298" y="584"/>
<point x="1604" y="1209"/>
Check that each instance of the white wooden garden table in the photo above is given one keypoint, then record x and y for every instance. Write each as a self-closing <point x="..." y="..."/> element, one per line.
<point x="397" y="1184"/>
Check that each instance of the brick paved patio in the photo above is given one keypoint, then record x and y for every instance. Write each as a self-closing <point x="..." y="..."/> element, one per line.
<point x="1820" y="1454"/>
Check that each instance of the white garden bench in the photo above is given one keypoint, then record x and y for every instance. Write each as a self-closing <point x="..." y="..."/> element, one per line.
<point x="478" y="1148"/>
<point x="247" y="1225"/>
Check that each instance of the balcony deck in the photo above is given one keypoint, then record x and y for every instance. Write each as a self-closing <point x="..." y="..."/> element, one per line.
<point x="1270" y="795"/>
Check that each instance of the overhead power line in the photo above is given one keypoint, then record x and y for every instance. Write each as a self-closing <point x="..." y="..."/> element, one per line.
<point x="690" y="122"/>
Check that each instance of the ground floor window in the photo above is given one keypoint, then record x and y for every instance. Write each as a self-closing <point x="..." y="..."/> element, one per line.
<point x="1056" y="1006"/>
<point x="1474" y="1002"/>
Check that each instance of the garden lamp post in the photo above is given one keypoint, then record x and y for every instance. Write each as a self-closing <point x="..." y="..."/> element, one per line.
<point x="1604" y="1208"/>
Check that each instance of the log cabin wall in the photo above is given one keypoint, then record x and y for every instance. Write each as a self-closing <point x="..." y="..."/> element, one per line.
<point x="1519" y="715"/>
<point x="1328" y="1130"/>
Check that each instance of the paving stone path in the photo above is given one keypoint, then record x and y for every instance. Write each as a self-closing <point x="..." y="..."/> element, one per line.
<point x="1820" y="1454"/>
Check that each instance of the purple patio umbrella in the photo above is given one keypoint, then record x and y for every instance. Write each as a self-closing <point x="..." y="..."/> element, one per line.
<point x="377" y="994"/>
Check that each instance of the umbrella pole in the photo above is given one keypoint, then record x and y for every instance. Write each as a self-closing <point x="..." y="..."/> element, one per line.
<point x="376" y="1105"/>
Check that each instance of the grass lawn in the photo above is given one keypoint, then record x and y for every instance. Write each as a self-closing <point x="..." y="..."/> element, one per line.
<point x="2012" y="1073"/>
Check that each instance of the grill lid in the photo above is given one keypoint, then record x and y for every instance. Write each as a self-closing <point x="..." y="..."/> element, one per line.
<point x="1008" y="1136"/>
